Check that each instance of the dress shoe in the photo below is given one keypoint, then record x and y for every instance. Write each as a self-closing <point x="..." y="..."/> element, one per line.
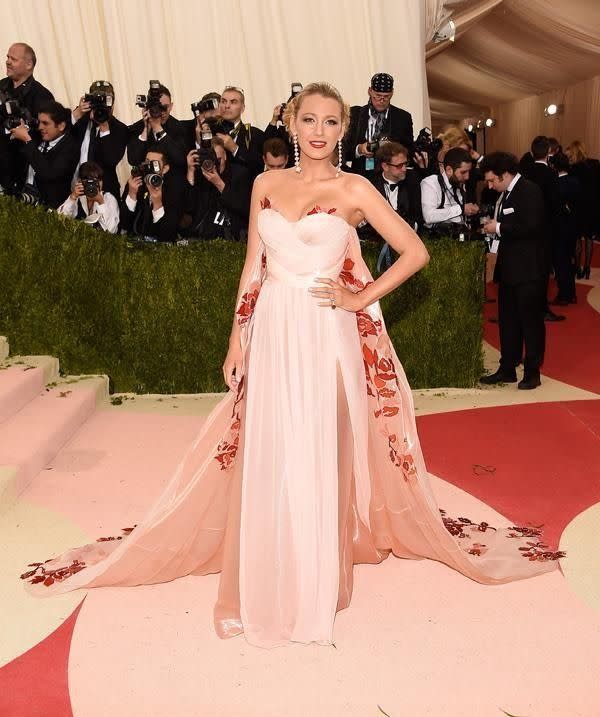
<point x="579" y="273"/>
<point x="500" y="376"/>
<point x="586" y="273"/>
<point x="529" y="382"/>
<point x="551" y="316"/>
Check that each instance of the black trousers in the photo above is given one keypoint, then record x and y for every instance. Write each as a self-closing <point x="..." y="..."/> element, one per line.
<point x="521" y="310"/>
<point x="564" y="263"/>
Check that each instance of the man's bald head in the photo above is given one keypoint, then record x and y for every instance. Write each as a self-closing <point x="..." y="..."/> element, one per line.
<point x="20" y="61"/>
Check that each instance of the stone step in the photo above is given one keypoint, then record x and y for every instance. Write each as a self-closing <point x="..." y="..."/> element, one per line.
<point x="31" y="438"/>
<point x="21" y="379"/>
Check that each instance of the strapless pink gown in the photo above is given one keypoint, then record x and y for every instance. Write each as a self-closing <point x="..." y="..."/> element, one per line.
<point x="311" y="466"/>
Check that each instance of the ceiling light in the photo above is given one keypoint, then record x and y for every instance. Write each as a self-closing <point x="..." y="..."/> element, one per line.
<point x="490" y="122"/>
<point x="479" y="124"/>
<point x="446" y="32"/>
<point x="551" y="110"/>
<point x="470" y="128"/>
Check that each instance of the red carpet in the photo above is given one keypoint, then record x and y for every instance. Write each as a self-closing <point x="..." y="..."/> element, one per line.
<point x="36" y="683"/>
<point x="533" y="463"/>
<point x="572" y="346"/>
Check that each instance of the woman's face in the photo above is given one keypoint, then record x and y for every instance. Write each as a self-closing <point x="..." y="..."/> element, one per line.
<point x="318" y="125"/>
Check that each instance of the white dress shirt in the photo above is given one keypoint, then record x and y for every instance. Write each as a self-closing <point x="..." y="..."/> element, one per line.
<point x="431" y="198"/>
<point x="107" y="213"/>
<point x="391" y="194"/>
<point x="85" y="145"/>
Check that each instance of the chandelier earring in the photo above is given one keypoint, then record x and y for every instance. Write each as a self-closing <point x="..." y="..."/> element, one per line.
<point x="296" y="154"/>
<point x="339" y="166"/>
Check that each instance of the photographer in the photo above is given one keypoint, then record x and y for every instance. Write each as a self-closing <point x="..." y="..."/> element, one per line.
<point x="275" y="154"/>
<point x="243" y="142"/>
<point x="152" y="202"/>
<point x="51" y="162"/>
<point x="101" y="136"/>
<point x="21" y="97"/>
<point x="374" y="122"/>
<point x="207" y="108"/>
<point x="89" y="201"/>
<point x="218" y="193"/>
<point x="157" y="127"/>
<point x="442" y="195"/>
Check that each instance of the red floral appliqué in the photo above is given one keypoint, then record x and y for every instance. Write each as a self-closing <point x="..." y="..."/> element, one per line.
<point x="49" y="577"/>
<point x="247" y="304"/>
<point x="265" y="203"/>
<point x="456" y="526"/>
<point x="228" y="447"/>
<point x="317" y="210"/>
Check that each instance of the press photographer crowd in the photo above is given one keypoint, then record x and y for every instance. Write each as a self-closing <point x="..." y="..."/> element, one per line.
<point x="192" y="178"/>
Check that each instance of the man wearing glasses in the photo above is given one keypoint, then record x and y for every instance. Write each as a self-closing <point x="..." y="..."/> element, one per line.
<point x="374" y="123"/>
<point x="244" y="142"/>
<point x="400" y="187"/>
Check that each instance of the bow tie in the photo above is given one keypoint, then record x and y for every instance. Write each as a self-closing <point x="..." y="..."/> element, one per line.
<point x="393" y="187"/>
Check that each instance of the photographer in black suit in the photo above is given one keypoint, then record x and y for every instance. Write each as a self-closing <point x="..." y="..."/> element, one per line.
<point x="521" y="270"/>
<point x="158" y="127"/>
<point x="102" y="137"/>
<point x="217" y="193"/>
<point x="152" y="202"/>
<point x="243" y="141"/>
<point x="27" y="96"/>
<point x="373" y="122"/>
<point x="51" y="162"/>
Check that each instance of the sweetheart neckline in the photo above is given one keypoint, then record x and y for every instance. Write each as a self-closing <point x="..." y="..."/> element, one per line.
<point x="306" y="216"/>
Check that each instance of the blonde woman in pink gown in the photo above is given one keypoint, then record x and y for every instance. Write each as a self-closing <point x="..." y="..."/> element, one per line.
<point x="311" y="463"/>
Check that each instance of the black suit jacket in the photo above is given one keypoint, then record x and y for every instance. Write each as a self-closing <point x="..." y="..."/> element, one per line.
<point x="203" y="201"/>
<point x="174" y="144"/>
<point x="107" y="151"/>
<point x="250" y="142"/>
<point x="398" y="127"/>
<point x="140" y="221"/>
<point x="409" y="197"/>
<point x="32" y="95"/>
<point x="53" y="169"/>
<point x="521" y="253"/>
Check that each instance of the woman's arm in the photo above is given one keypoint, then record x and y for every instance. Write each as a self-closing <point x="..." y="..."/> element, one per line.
<point x="396" y="232"/>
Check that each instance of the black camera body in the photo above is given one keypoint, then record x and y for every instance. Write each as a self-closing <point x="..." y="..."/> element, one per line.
<point x="295" y="89"/>
<point x="12" y="112"/>
<point x="91" y="186"/>
<point x="101" y="105"/>
<point x="150" y="173"/>
<point x="222" y="126"/>
<point x="151" y="101"/>
<point x="200" y="107"/>
<point x="425" y="143"/>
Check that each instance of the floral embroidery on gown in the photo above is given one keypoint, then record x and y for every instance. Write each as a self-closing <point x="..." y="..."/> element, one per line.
<point x="312" y="465"/>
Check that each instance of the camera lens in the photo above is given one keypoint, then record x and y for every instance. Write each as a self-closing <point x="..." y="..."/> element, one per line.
<point x="154" y="180"/>
<point x="208" y="165"/>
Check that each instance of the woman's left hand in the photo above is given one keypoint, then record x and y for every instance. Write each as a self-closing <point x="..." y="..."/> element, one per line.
<point x="342" y="297"/>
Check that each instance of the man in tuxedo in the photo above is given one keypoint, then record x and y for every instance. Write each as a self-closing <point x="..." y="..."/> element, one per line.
<point x="102" y="137"/>
<point x="374" y="121"/>
<point x="546" y="178"/>
<point x="153" y="208"/>
<point x="521" y="270"/>
<point x="20" y="85"/>
<point x="163" y="130"/>
<point x="51" y="162"/>
<point x="243" y="142"/>
<point x="217" y="195"/>
<point x="192" y="129"/>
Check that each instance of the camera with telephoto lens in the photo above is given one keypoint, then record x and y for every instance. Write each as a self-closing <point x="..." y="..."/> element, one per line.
<point x="100" y="104"/>
<point x="296" y="89"/>
<point x="11" y="113"/>
<point x="91" y="186"/>
<point x="202" y="106"/>
<point x="151" y="101"/>
<point x="425" y="143"/>
<point x="149" y="171"/>
<point x="222" y="126"/>
<point x="207" y="158"/>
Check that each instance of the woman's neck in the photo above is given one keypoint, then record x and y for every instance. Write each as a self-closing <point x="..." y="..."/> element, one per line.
<point x="315" y="170"/>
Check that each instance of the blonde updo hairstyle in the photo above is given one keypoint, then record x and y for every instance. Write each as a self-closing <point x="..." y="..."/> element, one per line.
<point x="324" y="89"/>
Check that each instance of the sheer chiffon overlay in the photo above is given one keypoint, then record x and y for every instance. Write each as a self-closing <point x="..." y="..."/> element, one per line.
<point x="312" y="465"/>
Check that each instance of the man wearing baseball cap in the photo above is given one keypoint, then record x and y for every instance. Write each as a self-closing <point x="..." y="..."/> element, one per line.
<point x="102" y="137"/>
<point x="373" y="123"/>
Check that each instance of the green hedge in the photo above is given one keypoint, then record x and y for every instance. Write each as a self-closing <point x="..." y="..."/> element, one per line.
<point x="157" y="318"/>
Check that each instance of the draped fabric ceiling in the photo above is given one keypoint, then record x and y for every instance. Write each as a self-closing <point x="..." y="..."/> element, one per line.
<point x="509" y="50"/>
